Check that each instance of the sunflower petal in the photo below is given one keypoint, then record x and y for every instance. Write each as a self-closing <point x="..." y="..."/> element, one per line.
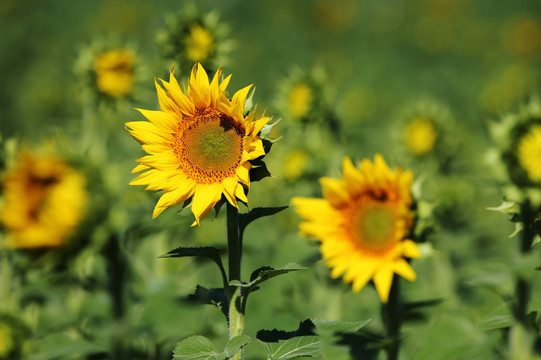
<point x="204" y="199"/>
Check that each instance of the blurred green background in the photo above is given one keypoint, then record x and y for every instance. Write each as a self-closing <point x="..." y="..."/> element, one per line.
<point x="379" y="64"/>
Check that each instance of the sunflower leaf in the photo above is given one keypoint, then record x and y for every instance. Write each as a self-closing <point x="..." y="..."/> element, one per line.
<point x="213" y="296"/>
<point x="256" y="213"/>
<point x="265" y="273"/>
<point x="301" y="346"/>
<point x="198" y="347"/>
<point x="207" y="251"/>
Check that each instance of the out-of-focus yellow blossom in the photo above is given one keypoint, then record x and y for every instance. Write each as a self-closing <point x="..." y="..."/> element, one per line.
<point x="295" y="163"/>
<point x="199" y="43"/>
<point x="420" y="136"/>
<point x="114" y="72"/>
<point x="300" y="100"/>
<point x="44" y="201"/>
<point x="362" y="223"/>
<point x="529" y="153"/>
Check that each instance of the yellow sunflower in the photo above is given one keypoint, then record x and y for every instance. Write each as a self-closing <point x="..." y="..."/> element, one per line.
<point x="420" y="136"/>
<point x="529" y="153"/>
<point x="362" y="223"/>
<point x="43" y="201"/>
<point x="114" y="72"/>
<point x="200" y="144"/>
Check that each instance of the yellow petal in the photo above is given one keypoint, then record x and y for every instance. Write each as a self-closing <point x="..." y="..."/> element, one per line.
<point x="164" y="121"/>
<point x="147" y="133"/>
<point x="166" y="104"/>
<point x="170" y="198"/>
<point x="402" y="268"/>
<point x="410" y="249"/>
<point x="204" y="199"/>
<point x="334" y="191"/>
<point x="230" y="189"/>
<point x="383" y="279"/>
<point x="240" y="194"/>
<point x="176" y="94"/>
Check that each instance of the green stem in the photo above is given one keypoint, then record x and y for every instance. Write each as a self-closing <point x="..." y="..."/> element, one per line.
<point x="117" y="268"/>
<point x="234" y="251"/>
<point x="5" y="294"/>
<point x="392" y="316"/>
<point x="522" y="287"/>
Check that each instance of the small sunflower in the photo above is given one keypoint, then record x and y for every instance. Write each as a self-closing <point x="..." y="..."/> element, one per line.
<point x="362" y="223"/>
<point x="529" y="153"/>
<point x="114" y="72"/>
<point x="420" y="136"/>
<point x="44" y="199"/>
<point x="194" y="36"/>
<point x="200" y="144"/>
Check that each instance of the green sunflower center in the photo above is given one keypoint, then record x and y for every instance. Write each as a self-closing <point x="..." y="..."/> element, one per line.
<point x="375" y="226"/>
<point x="210" y="146"/>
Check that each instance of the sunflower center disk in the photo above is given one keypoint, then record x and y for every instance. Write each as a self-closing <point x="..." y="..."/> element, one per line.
<point x="210" y="147"/>
<point x="375" y="226"/>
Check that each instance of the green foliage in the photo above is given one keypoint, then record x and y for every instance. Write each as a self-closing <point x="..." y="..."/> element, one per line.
<point x="264" y="273"/>
<point x="311" y="339"/>
<point x="198" y="347"/>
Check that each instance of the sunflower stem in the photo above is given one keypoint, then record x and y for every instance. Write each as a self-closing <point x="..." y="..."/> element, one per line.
<point x="522" y="286"/>
<point x="234" y="251"/>
<point x="5" y="289"/>
<point x="392" y="317"/>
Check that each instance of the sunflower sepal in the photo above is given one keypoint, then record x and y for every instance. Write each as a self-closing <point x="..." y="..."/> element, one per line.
<point x="259" y="170"/>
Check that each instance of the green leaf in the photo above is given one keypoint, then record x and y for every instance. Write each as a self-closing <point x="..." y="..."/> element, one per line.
<point x="213" y="296"/>
<point x="195" y="347"/>
<point x="506" y="207"/>
<point x="301" y="346"/>
<point x="207" y="251"/>
<point x="235" y="344"/>
<point x="62" y="345"/>
<point x="499" y="318"/>
<point x="265" y="273"/>
<point x="336" y="326"/>
<point x="247" y="218"/>
<point x="198" y="347"/>
<point x="497" y="322"/>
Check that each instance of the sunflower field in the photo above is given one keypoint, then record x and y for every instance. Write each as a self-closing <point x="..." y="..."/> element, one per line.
<point x="369" y="170"/>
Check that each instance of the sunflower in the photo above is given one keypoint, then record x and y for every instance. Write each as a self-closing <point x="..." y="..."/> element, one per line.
<point x="114" y="72"/>
<point x="43" y="201"/>
<point x="420" y="136"/>
<point x="362" y="224"/>
<point x="200" y="144"/>
<point x="529" y="153"/>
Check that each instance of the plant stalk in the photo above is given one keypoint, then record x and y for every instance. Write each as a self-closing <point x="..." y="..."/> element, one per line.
<point x="522" y="287"/>
<point x="234" y="252"/>
<point x="392" y="316"/>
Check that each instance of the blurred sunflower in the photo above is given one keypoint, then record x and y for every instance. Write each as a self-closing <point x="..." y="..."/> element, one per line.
<point x="424" y="129"/>
<point x="192" y="36"/>
<point x="200" y="144"/>
<point x="529" y="152"/>
<point x="44" y="200"/>
<point x="517" y="137"/>
<point x="114" y="72"/>
<point x="420" y="136"/>
<point x="109" y="70"/>
<point x="362" y="224"/>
